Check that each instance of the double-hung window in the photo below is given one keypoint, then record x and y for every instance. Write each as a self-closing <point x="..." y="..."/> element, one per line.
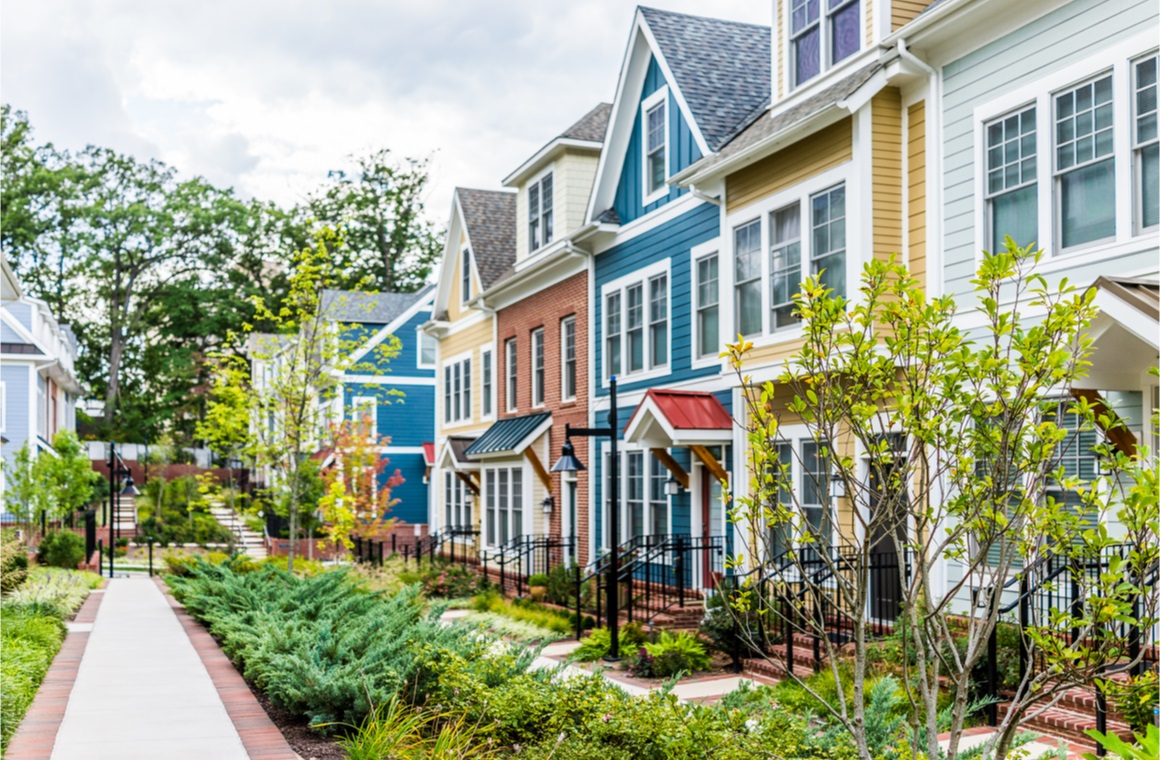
<point x="822" y="33"/>
<point x="785" y="264"/>
<point x="708" y="327"/>
<point x="513" y="373"/>
<point x="1146" y="145"/>
<point x="538" y="367"/>
<point x="1085" y="174"/>
<point x="486" y="382"/>
<point x="656" y="148"/>
<point x="457" y="390"/>
<point x="635" y="495"/>
<point x="747" y="277"/>
<point x="634" y="327"/>
<point x="465" y="276"/>
<point x="1011" y="191"/>
<point x="828" y="252"/>
<point x="568" y="358"/>
<point x="658" y="500"/>
<point x="612" y="331"/>
<point x="456" y="501"/>
<point x="504" y="509"/>
<point x="426" y="350"/>
<point x="816" y="492"/>
<point x="658" y="320"/>
<point x="540" y="212"/>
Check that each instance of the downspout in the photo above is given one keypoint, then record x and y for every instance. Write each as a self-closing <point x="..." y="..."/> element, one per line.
<point x="933" y="131"/>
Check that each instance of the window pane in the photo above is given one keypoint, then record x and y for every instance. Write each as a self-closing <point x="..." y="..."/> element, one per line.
<point x="658" y="500"/>
<point x="845" y="37"/>
<point x="517" y="502"/>
<point x="747" y="265"/>
<point x="807" y="56"/>
<point x="634" y="323"/>
<point x="709" y="331"/>
<point x="1088" y="204"/>
<point x="707" y="281"/>
<point x="635" y="495"/>
<point x="655" y="147"/>
<point x="828" y="258"/>
<point x="784" y="264"/>
<point x="1015" y="214"/>
<point x="658" y="321"/>
<point x="1150" y="181"/>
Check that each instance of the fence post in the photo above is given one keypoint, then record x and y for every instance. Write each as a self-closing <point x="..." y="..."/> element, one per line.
<point x="1076" y="601"/>
<point x="101" y="556"/>
<point x="1101" y="716"/>
<point x="787" y="622"/>
<point x="150" y="557"/>
<point x="679" y="565"/>
<point x="579" y="605"/>
<point x="394" y="544"/>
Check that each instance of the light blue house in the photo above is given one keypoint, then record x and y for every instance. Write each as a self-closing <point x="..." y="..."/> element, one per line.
<point x="398" y="394"/>
<point x="687" y="84"/>
<point x="38" y="381"/>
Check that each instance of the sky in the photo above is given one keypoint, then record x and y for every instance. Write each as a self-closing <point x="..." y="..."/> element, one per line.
<point x="267" y="97"/>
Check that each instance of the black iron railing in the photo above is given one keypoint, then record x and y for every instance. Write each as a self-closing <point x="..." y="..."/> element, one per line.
<point x="525" y="556"/>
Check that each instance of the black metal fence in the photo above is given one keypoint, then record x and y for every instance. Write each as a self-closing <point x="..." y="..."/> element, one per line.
<point x="525" y="556"/>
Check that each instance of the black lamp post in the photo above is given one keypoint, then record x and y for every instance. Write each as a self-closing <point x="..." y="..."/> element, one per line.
<point x="569" y="463"/>
<point x="117" y="470"/>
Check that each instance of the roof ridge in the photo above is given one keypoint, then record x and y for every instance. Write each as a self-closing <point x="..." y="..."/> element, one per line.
<point x="665" y="12"/>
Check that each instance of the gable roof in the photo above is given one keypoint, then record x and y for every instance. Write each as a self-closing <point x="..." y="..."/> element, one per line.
<point x="381" y="308"/>
<point x="591" y="126"/>
<point x="763" y="127"/>
<point x="490" y="219"/>
<point x="721" y="67"/>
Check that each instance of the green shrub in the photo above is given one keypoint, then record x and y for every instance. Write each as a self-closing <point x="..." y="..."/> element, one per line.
<point x="62" y="549"/>
<point x="1136" y="699"/>
<point x="672" y="654"/>
<point x="451" y="581"/>
<point x="562" y="586"/>
<point x="538" y="579"/>
<point x="599" y="642"/>
<point x="13" y="564"/>
<point x="522" y="610"/>
<point x="730" y="631"/>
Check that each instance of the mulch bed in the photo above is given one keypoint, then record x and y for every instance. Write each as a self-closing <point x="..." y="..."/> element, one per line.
<point x="297" y="732"/>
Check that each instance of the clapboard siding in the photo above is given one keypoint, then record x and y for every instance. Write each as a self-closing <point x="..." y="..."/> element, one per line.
<point x="904" y="11"/>
<point x="682" y="151"/>
<point x="412" y="492"/>
<point x="886" y="168"/>
<point x="1061" y="38"/>
<point x="824" y="150"/>
<point x="17" y="414"/>
<point x="674" y="241"/>
<point x="916" y="190"/>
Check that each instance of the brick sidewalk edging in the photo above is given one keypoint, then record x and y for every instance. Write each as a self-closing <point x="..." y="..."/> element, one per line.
<point x="36" y="735"/>
<point x="260" y="736"/>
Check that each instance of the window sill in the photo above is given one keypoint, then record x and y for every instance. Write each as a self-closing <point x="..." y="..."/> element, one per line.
<point x="1097" y="251"/>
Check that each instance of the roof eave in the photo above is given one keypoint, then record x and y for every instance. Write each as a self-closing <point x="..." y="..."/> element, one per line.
<point x="544" y="154"/>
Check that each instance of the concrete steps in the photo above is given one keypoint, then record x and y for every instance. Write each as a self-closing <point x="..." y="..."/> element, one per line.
<point x="251" y="542"/>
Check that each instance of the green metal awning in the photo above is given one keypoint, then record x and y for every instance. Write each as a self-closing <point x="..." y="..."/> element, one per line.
<point x="510" y="436"/>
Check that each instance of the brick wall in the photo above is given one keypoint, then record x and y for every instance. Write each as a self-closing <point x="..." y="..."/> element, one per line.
<point x="547" y="309"/>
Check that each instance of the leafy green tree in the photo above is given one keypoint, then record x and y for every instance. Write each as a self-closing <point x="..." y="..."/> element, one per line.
<point x="379" y="211"/>
<point x="962" y="435"/>
<point x="67" y="476"/>
<point x="287" y="374"/>
<point x="25" y="495"/>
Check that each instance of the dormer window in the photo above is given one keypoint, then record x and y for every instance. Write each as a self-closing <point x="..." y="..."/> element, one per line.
<point x="540" y="212"/>
<point x="822" y="33"/>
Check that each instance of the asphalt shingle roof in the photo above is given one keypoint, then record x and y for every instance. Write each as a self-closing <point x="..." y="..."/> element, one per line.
<point x="762" y="126"/>
<point x="381" y="308"/>
<point x="490" y="216"/>
<point x="721" y="67"/>
<point x="591" y="125"/>
<point x="507" y="434"/>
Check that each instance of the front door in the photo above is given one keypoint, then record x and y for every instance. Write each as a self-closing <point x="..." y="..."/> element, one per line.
<point x="889" y="532"/>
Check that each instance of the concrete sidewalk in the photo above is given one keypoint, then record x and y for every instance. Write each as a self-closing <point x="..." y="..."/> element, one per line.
<point x="142" y="690"/>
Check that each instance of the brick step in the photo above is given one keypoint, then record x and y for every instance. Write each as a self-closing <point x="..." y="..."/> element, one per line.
<point x="772" y="668"/>
<point x="1069" y="725"/>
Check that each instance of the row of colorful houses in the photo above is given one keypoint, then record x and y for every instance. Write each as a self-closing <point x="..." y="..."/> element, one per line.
<point x="733" y="161"/>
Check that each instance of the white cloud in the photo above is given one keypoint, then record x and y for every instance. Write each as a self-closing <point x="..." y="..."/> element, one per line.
<point x="268" y="96"/>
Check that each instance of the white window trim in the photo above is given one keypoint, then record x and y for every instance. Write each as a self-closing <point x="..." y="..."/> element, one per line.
<point x="641" y="277"/>
<point x="599" y="544"/>
<point x="661" y="95"/>
<point x="487" y="348"/>
<point x="536" y="180"/>
<point x="508" y="394"/>
<point x="420" y="334"/>
<point x="824" y="51"/>
<point x="697" y="253"/>
<point x="1137" y="201"/>
<point x="3" y="406"/>
<point x="575" y="359"/>
<point x="465" y="257"/>
<point x="539" y="381"/>
<point x="465" y="356"/>
<point x="856" y="254"/>
<point x="356" y="405"/>
<point x="1118" y="60"/>
<point x="526" y="526"/>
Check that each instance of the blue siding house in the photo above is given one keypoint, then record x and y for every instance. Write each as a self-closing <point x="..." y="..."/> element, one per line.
<point x="687" y="85"/>
<point x="397" y="393"/>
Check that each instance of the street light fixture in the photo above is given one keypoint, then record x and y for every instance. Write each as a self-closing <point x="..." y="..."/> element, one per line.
<point x="568" y="462"/>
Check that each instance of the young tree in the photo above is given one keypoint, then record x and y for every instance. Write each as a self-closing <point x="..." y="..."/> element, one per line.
<point x="296" y="374"/>
<point x="357" y="501"/>
<point x="379" y="211"/>
<point x="25" y="495"/>
<point x="960" y="436"/>
<point x="68" y="475"/>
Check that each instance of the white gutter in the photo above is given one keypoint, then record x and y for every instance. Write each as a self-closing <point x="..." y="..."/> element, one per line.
<point x="714" y="199"/>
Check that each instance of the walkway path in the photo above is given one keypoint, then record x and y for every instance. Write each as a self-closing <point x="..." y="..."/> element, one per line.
<point x="142" y="690"/>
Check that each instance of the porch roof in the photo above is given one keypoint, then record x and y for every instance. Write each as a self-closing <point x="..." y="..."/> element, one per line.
<point x="1125" y="334"/>
<point x="428" y="453"/>
<point x="667" y="418"/>
<point x="455" y="449"/>
<point x="510" y="436"/>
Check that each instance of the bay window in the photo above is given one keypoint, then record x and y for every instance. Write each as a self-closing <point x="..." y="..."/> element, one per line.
<point x="1084" y="166"/>
<point x="747" y="277"/>
<point x="1011" y="190"/>
<point x="1146" y="145"/>
<point x="785" y="266"/>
